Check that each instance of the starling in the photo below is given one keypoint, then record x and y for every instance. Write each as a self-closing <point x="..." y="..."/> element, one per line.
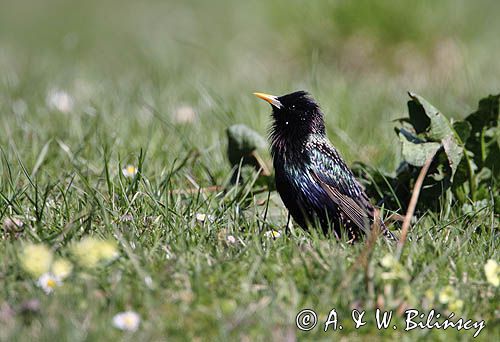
<point x="314" y="182"/>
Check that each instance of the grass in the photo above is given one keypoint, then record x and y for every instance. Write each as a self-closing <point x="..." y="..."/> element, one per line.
<point x="128" y="68"/>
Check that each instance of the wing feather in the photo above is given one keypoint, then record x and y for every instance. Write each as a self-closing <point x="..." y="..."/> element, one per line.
<point x="347" y="205"/>
<point x="337" y="180"/>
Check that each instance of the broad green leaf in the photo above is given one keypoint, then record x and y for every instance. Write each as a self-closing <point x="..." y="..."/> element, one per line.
<point x="439" y="127"/>
<point x="454" y="152"/>
<point x="417" y="154"/>
<point x="242" y="141"/>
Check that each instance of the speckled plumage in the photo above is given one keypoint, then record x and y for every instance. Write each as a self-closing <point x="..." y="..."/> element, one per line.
<point x="314" y="182"/>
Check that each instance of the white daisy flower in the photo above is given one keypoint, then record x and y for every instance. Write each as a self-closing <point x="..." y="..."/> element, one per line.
<point x="60" y="100"/>
<point x="273" y="234"/>
<point x="129" y="171"/>
<point x="48" y="282"/>
<point x="127" y="321"/>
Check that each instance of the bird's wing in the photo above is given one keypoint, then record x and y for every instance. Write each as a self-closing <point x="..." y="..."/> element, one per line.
<point x="337" y="180"/>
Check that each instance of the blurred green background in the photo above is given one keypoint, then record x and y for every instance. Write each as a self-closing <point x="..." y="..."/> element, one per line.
<point x="357" y="58"/>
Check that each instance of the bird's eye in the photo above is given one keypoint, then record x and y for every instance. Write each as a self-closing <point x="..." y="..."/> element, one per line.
<point x="293" y="106"/>
<point x="286" y="122"/>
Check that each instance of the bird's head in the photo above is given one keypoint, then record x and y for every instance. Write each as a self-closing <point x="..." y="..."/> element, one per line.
<point x="296" y="115"/>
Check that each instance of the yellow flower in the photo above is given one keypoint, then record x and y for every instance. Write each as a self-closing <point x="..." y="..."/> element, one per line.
<point x="388" y="261"/>
<point x="129" y="171"/>
<point x="61" y="268"/>
<point x="492" y="271"/>
<point x="36" y="259"/>
<point x="456" y="305"/>
<point x="86" y="252"/>
<point x="48" y="282"/>
<point x="394" y="270"/>
<point x="90" y="251"/>
<point x="107" y="250"/>
<point x="447" y="294"/>
<point x="128" y="321"/>
<point x="429" y="294"/>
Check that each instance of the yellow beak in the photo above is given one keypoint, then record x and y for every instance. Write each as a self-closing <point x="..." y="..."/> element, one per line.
<point x="273" y="100"/>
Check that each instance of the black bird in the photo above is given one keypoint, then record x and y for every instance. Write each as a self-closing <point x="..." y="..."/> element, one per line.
<point x="314" y="182"/>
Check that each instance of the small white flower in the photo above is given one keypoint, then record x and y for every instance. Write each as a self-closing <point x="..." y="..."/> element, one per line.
<point x="129" y="171"/>
<point x="231" y="239"/>
<point x="60" y="100"/>
<point x="204" y="217"/>
<point x="128" y="321"/>
<point x="148" y="281"/>
<point x="492" y="272"/>
<point x="184" y="114"/>
<point x="48" y="282"/>
<point x="273" y="234"/>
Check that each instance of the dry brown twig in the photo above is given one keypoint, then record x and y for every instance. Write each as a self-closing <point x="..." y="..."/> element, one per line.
<point x="413" y="203"/>
<point x="213" y="188"/>
<point x="263" y="168"/>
